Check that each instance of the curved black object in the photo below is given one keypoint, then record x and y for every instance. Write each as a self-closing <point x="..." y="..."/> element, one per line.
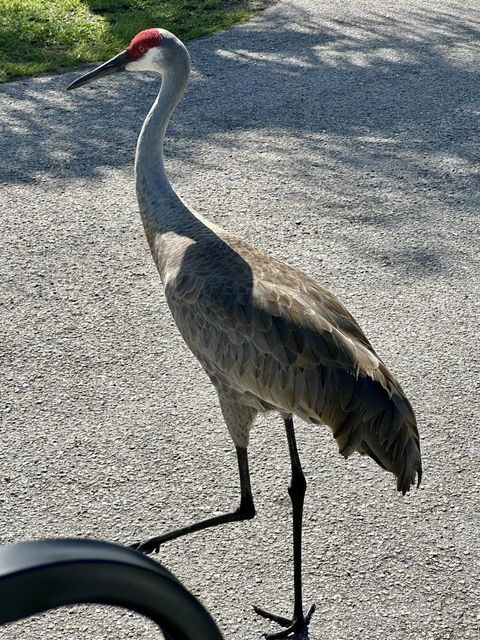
<point x="42" y="575"/>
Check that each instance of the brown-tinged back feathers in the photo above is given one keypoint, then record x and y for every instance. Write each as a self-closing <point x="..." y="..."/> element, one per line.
<point x="280" y="340"/>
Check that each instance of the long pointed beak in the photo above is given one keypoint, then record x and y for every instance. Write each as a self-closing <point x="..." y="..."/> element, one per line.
<point x="111" y="66"/>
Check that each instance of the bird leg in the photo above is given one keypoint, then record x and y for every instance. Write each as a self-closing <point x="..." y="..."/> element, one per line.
<point x="296" y="490"/>
<point x="245" y="511"/>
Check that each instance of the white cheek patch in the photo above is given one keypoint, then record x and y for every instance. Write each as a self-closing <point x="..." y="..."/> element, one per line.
<point x="145" y="63"/>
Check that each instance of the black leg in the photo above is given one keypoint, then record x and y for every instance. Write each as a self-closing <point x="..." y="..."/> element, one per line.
<point x="245" y="511"/>
<point x="296" y="491"/>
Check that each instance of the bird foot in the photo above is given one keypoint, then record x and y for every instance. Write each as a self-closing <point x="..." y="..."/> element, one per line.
<point x="150" y="546"/>
<point x="297" y="626"/>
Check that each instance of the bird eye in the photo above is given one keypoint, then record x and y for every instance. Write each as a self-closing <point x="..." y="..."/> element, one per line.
<point x="141" y="48"/>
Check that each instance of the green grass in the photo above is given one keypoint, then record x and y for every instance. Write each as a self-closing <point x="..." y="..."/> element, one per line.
<point x="46" y="35"/>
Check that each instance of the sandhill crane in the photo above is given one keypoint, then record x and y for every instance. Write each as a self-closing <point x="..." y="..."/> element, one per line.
<point x="268" y="336"/>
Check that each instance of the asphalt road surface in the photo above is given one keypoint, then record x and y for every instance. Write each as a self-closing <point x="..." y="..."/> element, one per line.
<point x="341" y="137"/>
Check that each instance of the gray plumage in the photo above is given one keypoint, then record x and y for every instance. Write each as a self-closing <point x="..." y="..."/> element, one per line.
<point x="268" y="336"/>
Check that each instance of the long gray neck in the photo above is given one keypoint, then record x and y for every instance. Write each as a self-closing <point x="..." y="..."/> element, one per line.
<point x="160" y="206"/>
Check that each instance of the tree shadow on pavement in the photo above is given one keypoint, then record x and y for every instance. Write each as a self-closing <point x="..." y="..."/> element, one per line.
<point x="387" y="98"/>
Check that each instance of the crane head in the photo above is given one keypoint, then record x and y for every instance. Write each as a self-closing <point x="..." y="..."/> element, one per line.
<point x="149" y="50"/>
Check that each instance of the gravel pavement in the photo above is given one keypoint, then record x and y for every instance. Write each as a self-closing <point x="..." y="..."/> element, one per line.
<point x="341" y="137"/>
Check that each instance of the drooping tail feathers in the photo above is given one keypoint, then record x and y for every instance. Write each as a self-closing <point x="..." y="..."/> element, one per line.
<point x="378" y="421"/>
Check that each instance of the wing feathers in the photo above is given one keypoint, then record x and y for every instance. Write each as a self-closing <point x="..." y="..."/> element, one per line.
<point x="298" y="349"/>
